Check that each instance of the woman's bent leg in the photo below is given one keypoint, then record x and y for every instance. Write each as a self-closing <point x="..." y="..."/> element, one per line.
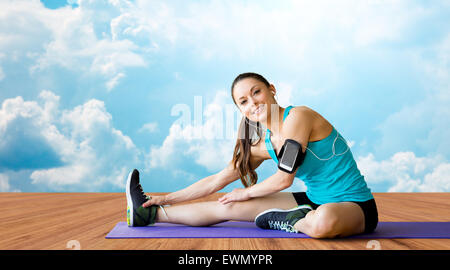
<point x="212" y="212"/>
<point x="333" y="220"/>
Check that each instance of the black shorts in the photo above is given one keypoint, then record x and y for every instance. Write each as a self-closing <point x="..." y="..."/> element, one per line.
<point x="369" y="209"/>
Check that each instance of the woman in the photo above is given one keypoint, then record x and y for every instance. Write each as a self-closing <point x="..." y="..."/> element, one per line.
<point x="337" y="202"/>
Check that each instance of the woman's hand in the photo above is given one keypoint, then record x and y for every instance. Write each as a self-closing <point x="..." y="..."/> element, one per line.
<point x="237" y="195"/>
<point x="155" y="200"/>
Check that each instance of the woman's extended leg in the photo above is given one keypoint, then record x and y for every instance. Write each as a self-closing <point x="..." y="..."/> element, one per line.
<point x="212" y="212"/>
<point x="333" y="220"/>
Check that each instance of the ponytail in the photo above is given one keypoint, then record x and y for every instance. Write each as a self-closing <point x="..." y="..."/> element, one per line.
<point x="249" y="134"/>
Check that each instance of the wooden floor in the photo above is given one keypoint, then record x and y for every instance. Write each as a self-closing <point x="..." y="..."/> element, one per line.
<point x="60" y="220"/>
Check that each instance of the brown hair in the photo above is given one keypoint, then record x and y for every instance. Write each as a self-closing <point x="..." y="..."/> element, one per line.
<point x="250" y="133"/>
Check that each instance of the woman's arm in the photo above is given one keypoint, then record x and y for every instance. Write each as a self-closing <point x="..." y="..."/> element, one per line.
<point x="201" y="188"/>
<point x="297" y="126"/>
<point x="275" y="183"/>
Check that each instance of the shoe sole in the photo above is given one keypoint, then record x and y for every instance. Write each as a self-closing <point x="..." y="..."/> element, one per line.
<point x="304" y="206"/>
<point x="130" y="211"/>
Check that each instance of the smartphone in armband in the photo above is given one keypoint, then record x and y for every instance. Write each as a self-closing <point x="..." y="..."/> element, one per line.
<point x="291" y="156"/>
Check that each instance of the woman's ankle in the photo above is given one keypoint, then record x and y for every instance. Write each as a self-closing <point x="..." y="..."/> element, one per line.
<point x="161" y="215"/>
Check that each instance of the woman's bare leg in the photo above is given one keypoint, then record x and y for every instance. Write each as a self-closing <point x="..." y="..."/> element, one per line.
<point x="327" y="221"/>
<point x="212" y="212"/>
<point x="333" y="220"/>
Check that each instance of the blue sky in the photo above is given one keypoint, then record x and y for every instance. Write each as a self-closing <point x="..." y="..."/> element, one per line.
<point x="92" y="89"/>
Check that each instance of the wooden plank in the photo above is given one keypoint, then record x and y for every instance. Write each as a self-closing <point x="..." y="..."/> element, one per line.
<point x="50" y="220"/>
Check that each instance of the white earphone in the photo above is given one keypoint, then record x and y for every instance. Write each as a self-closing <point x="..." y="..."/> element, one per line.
<point x="332" y="149"/>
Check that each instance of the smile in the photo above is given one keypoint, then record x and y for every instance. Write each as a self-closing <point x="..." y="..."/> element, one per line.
<point x="258" y="110"/>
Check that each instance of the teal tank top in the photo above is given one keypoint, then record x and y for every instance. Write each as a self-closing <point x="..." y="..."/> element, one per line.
<point x="329" y="170"/>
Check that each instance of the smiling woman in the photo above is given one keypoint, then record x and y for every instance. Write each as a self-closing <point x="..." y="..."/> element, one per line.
<point x="250" y="126"/>
<point x="337" y="203"/>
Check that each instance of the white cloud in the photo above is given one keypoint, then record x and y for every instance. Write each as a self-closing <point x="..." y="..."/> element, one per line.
<point x="21" y="141"/>
<point x="76" y="39"/>
<point x="284" y="95"/>
<point x="2" y="73"/>
<point x="114" y="81"/>
<point x="248" y="29"/>
<point x="90" y="154"/>
<point x="405" y="172"/>
<point x="4" y="184"/>
<point x="438" y="180"/>
<point x="423" y="126"/>
<point x="65" y="176"/>
<point x="109" y="36"/>
<point x="149" y="127"/>
<point x="105" y="38"/>
<point x="381" y="21"/>
<point x="23" y="28"/>
<point x="206" y="143"/>
<point x="76" y="46"/>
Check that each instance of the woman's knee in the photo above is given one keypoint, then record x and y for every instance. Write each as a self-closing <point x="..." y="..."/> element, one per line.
<point x="227" y="211"/>
<point x="325" y="223"/>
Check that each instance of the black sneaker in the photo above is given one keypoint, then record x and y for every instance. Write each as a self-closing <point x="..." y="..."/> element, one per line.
<point x="137" y="215"/>
<point x="279" y="219"/>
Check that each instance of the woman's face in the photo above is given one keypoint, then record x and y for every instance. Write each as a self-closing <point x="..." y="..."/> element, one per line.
<point x="254" y="99"/>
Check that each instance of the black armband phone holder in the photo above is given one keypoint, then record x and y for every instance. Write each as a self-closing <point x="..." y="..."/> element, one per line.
<point x="290" y="156"/>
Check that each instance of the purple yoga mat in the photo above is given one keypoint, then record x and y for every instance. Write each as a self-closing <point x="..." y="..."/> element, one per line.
<point x="239" y="229"/>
